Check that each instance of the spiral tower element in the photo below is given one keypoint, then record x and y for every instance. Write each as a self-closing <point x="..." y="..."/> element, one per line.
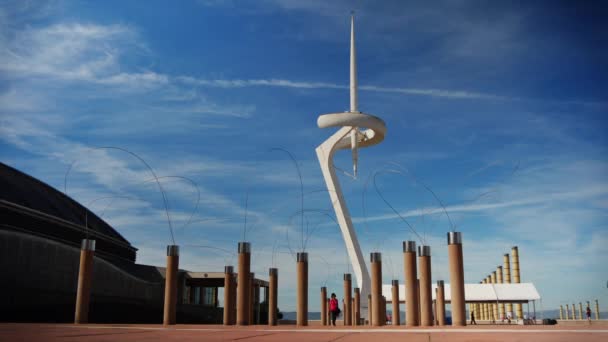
<point x="357" y="130"/>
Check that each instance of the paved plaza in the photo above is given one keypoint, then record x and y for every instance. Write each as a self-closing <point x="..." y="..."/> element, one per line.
<point x="212" y="333"/>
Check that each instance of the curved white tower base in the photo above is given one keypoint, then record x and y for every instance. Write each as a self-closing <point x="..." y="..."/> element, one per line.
<point x="349" y="136"/>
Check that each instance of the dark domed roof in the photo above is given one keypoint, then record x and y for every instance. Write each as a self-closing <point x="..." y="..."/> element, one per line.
<point x="38" y="208"/>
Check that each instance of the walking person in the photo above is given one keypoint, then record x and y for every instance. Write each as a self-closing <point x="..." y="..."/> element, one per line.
<point x="473" y="317"/>
<point x="334" y="308"/>
<point x="588" y="312"/>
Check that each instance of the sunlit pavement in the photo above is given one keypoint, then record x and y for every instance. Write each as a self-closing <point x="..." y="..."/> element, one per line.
<point x="99" y="332"/>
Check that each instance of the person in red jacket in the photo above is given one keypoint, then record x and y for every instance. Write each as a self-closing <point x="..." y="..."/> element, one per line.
<point x="334" y="308"/>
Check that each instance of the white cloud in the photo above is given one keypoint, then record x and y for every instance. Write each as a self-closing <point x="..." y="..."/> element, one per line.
<point x="283" y="83"/>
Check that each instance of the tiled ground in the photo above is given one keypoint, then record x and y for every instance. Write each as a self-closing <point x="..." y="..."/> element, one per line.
<point x="212" y="333"/>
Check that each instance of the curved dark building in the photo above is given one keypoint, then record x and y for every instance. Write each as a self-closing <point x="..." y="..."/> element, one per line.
<point x="41" y="230"/>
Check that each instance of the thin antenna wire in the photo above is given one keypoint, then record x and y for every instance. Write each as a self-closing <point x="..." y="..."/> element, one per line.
<point x="301" y="188"/>
<point x="162" y="191"/>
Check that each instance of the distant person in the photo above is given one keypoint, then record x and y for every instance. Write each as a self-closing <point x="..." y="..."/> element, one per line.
<point x="473" y="317"/>
<point x="588" y="312"/>
<point x="334" y="308"/>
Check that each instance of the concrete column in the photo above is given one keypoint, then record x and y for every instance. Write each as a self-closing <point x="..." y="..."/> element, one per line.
<point x="456" y="278"/>
<point x="516" y="279"/>
<point x="243" y="285"/>
<point x="501" y="306"/>
<point x="561" y="312"/>
<point x="411" y="275"/>
<point x="573" y="311"/>
<point x="327" y="310"/>
<point x="302" y="289"/>
<point x="234" y="293"/>
<point x="251" y="302"/>
<point x="343" y="311"/>
<point x="228" y="299"/>
<point x="323" y="301"/>
<point x="348" y="315"/>
<point x="426" y="295"/>
<point x="580" y="310"/>
<point x="418" y="296"/>
<point x="85" y="275"/>
<point x="507" y="280"/>
<point x="494" y="304"/>
<point x="273" y="296"/>
<point x="395" y="294"/>
<point x="376" y="288"/>
<point x="440" y="303"/>
<point x="369" y="310"/>
<point x="567" y="312"/>
<point x="383" y="310"/>
<point x="484" y="305"/>
<point x="597" y="310"/>
<point x="171" y="285"/>
<point x="357" y="307"/>
<point x="352" y="310"/>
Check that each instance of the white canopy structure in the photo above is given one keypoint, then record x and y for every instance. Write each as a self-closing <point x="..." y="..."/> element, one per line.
<point x="475" y="293"/>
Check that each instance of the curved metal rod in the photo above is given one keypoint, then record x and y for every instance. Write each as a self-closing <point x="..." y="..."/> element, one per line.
<point x="162" y="191"/>
<point x="395" y="211"/>
<point x="301" y="187"/>
<point x="86" y="213"/>
<point x="193" y="183"/>
<point x="407" y="173"/>
<point x="231" y="254"/>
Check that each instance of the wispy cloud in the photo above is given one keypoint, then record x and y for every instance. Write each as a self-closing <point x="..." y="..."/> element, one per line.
<point x="283" y="83"/>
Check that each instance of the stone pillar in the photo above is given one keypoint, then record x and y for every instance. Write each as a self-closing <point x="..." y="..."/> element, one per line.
<point x="228" y="299"/>
<point x="343" y="311"/>
<point x="573" y="311"/>
<point x="494" y="304"/>
<point x="348" y="315"/>
<point x="507" y="280"/>
<point x="328" y="313"/>
<point x="440" y="303"/>
<point x="455" y="257"/>
<point x="352" y="310"/>
<point x="369" y="310"/>
<point x="234" y="293"/>
<point x="426" y="295"/>
<point x="171" y="285"/>
<point x="501" y="306"/>
<point x="597" y="310"/>
<point x="85" y="275"/>
<point x="485" y="305"/>
<point x="243" y="286"/>
<point x="395" y="294"/>
<point x="418" y="296"/>
<point x="517" y="279"/>
<point x="561" y="312"/>
<point x="382" y="310"/>
<point x="273" y="296"/>
<point x="411" y="275"/>
<point x="323" y="301"/>
<point x="302" y="289"/>
<point x="251" y="305"/>
<point x="376" y="288"/>
<point x="357" y="307"/>
<point x="567" y="312"/>
<point x="580" y="310"/>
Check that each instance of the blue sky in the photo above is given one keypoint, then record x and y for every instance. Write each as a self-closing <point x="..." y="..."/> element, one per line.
<point x="500" y="108"/>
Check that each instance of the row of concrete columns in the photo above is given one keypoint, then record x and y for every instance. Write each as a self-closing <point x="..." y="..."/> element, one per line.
<point x="571" y="315"/>
<point x="502" y="274"/>
<point x="418" y="295"/>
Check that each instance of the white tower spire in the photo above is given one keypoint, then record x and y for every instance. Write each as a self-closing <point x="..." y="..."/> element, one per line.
<point x="354" y="140"/>
<point x="353" y="67"/>
<point x="349" y="136"/>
